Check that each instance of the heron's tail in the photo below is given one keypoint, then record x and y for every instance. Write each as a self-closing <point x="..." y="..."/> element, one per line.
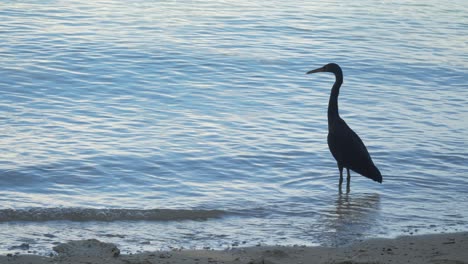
<point x="374" y="174"/>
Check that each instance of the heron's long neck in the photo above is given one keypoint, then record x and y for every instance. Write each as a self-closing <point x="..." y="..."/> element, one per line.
<point x="333" y="103"/>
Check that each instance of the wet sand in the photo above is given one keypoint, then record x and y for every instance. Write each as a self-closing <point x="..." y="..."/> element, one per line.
<point x="433" y="249"/>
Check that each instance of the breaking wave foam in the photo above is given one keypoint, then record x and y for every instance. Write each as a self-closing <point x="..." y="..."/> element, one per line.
<point x="90" y="214"/>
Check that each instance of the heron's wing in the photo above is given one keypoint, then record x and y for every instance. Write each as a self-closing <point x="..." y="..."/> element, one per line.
<point x="353" y="152"/>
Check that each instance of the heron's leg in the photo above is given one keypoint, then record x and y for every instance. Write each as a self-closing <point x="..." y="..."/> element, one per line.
<point x="340" y="168"/>
<point x="348" y="181"/>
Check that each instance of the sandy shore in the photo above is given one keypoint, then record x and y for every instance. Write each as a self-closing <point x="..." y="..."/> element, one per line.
<point x="432" y="249"/>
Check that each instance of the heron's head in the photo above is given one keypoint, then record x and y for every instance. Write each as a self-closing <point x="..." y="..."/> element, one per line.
<point x="330" y="67"/>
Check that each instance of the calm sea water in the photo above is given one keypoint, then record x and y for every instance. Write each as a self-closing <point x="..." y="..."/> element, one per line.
<point x="112" y="109"/>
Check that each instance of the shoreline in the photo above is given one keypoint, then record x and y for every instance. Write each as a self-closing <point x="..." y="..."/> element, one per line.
<point x="450" y="248"/>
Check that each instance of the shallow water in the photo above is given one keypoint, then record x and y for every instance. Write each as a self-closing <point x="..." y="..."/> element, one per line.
<point x="204" y="105"/>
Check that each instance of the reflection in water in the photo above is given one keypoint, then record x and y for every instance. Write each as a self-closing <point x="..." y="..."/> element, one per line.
<point x="353" y="218"/>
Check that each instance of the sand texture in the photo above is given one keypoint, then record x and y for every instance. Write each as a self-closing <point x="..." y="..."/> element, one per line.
<point x="427" y="249"/>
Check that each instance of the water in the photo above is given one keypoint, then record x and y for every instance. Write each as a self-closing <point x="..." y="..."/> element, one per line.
<point x="114" y="110"/>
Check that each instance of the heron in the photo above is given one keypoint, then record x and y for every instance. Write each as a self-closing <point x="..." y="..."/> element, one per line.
<point x="345" y="145"/>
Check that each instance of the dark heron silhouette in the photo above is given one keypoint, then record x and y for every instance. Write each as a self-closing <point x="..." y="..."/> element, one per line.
<point x="345" y="145"/>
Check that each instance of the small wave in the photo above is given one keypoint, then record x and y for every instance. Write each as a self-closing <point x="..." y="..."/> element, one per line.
<point x="90" y="214"/>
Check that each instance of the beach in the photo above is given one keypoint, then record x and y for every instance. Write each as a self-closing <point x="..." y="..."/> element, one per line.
<point x="435" y="248"/>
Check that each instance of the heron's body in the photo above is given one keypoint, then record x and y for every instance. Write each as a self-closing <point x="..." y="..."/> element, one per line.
<point x="345" y="145"/>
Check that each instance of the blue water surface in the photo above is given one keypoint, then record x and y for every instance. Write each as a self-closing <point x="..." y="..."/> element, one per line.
<point x="205" y="105"/>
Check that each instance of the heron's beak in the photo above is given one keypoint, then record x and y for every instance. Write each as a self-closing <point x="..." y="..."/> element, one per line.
<point x="321" y="69"/>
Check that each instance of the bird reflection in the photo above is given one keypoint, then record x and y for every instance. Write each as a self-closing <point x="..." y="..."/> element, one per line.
<point x="352" y="218"/>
